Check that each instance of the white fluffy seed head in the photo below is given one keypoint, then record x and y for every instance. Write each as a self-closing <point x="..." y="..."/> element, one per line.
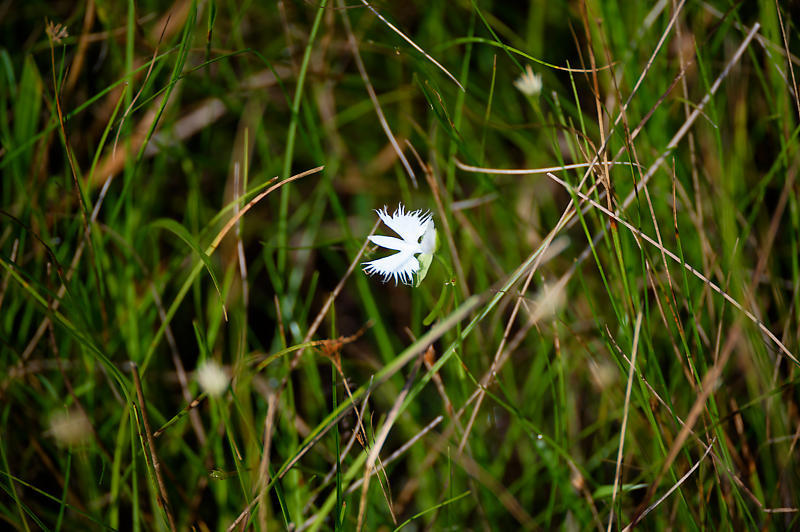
<point x="212" y="378"/>
<point x="70" y="428"/>
<point x="528" y="83"/>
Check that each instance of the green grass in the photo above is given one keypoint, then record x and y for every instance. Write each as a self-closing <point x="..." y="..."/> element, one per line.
<point x="610" y="344"/>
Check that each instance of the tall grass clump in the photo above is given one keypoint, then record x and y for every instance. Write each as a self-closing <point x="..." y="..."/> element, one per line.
<point x="607" y="334"/>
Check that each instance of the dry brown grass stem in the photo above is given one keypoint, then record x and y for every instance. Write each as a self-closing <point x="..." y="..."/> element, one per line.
<point x="362" y="70"/>
<point x="412" y="43"/>
<point x="163" y="498"/>
<point x="626" y="409"/>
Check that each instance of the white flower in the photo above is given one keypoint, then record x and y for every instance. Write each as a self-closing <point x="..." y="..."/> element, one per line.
<point x="528" y="83"/>
<point x="212" y="378"/>
<point x="417" y="235"/>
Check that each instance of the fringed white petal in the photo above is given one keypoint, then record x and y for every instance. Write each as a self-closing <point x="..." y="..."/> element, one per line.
<point x="400" y="266"/>
<point x="409" y="225"/>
